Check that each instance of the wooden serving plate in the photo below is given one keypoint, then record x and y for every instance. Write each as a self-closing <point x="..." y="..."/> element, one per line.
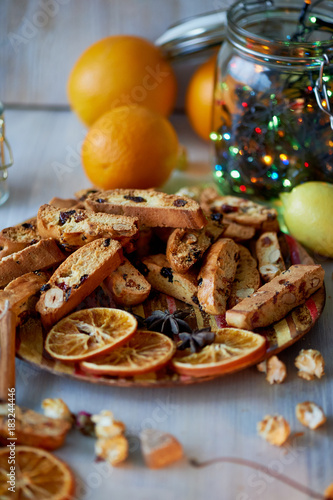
<point x="280" y="335"/>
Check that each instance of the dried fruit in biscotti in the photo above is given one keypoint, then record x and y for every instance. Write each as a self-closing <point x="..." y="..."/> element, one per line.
<point x="16" y="238"/>
<point x="153" y="208"/>
<point x="127" y="285"/>
<point x="75" y="228"/>
<point x="163" y="278"/>
<point x="275" y="299"/>
<point x="246" y="212"/>
<point x="77" y="277"/>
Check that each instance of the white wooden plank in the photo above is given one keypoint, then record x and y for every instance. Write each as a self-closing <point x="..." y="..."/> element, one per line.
<point x="40" y="40"/>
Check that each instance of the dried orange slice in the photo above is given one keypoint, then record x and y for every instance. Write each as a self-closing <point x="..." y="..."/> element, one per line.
<point x="144" y="352"/>
<point x="89" y="332"/>
<point x="231" y="350"/>
<point x="38" y="475"/>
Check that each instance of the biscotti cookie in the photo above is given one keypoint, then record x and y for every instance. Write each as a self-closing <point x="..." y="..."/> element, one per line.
<point x="216" y="276"/>
<point x="244" y="211"/>
<point x="16" y="238"/>
<point x="75" y="228"/>
<point x="63" y="203"/>
<point x="270" y="260"/>
<point x="237" y="232"/>
<point x="164" y="279"/>
<point x="153" y="208"/>
<point x="247" y="278"/>
<point x="185" y="246"/>
<point x="127" y="285"/>
<point x="77" y="277"/>
<point x="275" y="299"/>
<point x="34" y="429"/>
<point x="40" y="256"/>
<point x="23" y="292"/>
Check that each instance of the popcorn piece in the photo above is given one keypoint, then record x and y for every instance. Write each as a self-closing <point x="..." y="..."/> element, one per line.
<point x="56" y="408"/>
<point x="275" y="429"/>
<point x="328" y="495"/>
<point x="106" y="426"/>
<point x="159" y="449"/>
<point x="262" y="367"/>
<point x="310" y="364"/>
<point x="310" y="415"/>
<point x="113" y="450"/>
<point x="276" y="371"/>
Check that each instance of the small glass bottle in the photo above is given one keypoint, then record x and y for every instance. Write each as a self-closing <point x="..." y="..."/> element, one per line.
<point x="6" y="159"/>
<point x="269" y="132"/>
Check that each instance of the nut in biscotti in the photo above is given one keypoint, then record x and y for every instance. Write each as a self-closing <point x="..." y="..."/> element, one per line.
<point x="153" y="209"/>
<point x="164" y="279"/>
<point x="270" y="260"/>
<point x="245" y="212"/>
<point x="77" y="277"/>
<point x="247" y="279"/>
<point x="16" y="238"/>
<point x="75" y="228"/>
<point x="217" y="275"/>
<point x="275" y="299"/>
<point x="185" y="247"/>
<point x="40" y="256"/>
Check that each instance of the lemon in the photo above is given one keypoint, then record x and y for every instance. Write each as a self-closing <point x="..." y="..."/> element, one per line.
<point x="308" y="210"/>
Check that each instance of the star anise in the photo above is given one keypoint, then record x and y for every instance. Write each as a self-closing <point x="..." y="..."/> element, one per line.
<point x="196" y="340"/>
<point x="168" y="323"/>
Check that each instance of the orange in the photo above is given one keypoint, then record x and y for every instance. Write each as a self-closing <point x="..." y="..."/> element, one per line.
<point x="85" y="333"/>
<point x="130" y="147"/>
<point x="39" y="475"/>
<point x="145" y="352"/>
<point x="232" y="349"/>
<point x="199" y="98"/>
<point x="120" y="70"/>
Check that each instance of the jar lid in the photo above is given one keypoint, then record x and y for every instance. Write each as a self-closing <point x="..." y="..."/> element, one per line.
<point x="194" y="34"/>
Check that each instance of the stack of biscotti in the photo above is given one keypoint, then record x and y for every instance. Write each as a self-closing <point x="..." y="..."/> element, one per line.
<point x="222" y="254"/>
<point x="80" y="247"/>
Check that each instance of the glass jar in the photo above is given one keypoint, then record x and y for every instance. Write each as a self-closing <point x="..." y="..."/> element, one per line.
<point x="269" y="133"/>
<point x="6" y="159"/>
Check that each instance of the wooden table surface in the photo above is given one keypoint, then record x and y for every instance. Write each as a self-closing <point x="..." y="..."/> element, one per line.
<point x="216" y="419"/>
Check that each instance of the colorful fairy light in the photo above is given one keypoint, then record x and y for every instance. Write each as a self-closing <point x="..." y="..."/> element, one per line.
<point x="268" y="160"/>
<point x="271" y="140"/>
